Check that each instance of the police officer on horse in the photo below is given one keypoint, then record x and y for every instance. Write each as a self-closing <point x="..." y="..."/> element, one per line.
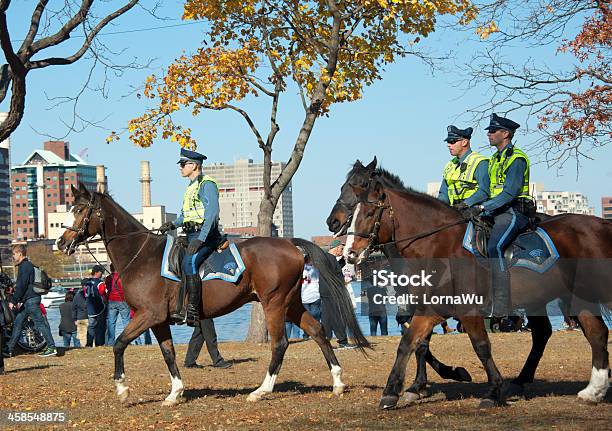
<point x="200" y="221"/>
<point x="510" y="206"/>
<point x="465" y="181"/>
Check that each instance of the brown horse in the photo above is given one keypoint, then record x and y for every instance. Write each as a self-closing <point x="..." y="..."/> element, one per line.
<point x="425" y="228"/>
<point x="338" y="221"/>
<point x="273" y="277"/>
<point x="357" y="181"/>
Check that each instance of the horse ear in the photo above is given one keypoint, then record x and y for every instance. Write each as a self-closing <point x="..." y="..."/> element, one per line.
<point x="372" y="164"/>
<point x="83" y="190"/>
<point x="75" y="191"/>
<point x="358" y="164"/>
<point x="379" y="190"/>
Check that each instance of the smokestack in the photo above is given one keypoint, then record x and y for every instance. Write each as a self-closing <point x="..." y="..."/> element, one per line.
<point x="100" y="179"/>
<point x="145" y="179"/>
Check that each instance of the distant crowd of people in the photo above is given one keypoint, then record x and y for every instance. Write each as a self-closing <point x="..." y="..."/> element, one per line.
<point x="89" y="315"/>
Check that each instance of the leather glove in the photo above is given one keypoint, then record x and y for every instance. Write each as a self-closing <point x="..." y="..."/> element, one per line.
<point x="462" y="207"/>
<point x="166" y="227"/>
<point x="471" y="212"/>
<point x="194" y="246"/>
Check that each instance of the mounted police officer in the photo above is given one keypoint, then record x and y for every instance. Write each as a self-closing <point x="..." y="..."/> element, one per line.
<point x="510" y="205"/>
<point x="200" y="221"/>
<point x="465" y="179"/>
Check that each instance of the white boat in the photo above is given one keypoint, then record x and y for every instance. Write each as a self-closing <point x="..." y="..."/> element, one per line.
<point x="53" y="299"/>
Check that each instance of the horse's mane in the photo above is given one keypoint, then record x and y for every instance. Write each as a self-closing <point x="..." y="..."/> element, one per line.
<point x="394" y="182"/>
<point x="123" y="211"/>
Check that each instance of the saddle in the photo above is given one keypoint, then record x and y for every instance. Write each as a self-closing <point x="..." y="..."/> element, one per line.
<point x="532" y="249"/>
<point x="179" y="248"/>
<point x="223" y="264"/>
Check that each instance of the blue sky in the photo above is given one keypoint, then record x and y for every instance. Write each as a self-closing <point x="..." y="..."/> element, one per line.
<point x="401" y="119"/>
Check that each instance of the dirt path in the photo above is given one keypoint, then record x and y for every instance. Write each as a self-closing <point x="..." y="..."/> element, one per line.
<point x="80" y="384"/>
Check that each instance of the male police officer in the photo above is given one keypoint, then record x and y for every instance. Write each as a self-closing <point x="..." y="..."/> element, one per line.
<point x="465" y="180"/>
<point x="200" y="221"/>
<point x="510" y="205"/>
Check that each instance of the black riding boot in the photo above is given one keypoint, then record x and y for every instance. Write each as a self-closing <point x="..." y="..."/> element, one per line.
<point x="502" y="303"/>
<point x="178" y="316"/>
<point x="194" y="288"/>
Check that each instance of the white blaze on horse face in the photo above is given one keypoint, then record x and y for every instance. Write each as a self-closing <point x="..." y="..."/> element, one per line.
<point x="350" y="240"/>
<point x="70" y="219"/>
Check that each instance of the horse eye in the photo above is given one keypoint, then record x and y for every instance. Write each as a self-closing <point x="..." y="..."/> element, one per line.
<point x="370" y="213"/>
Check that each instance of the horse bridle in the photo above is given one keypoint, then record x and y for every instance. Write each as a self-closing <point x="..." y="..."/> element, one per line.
<point x="373" y="241"/>
<point x="372" y="237"/>
<point x="81" y="233"/>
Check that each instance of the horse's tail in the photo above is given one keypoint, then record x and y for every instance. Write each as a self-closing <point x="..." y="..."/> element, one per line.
<point x="337" y="290"/>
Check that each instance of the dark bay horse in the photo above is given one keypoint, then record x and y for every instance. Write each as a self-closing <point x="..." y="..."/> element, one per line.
<point x="338" y="221"/>
<point x="386" y="215"/>
<point x="273" y="276"/>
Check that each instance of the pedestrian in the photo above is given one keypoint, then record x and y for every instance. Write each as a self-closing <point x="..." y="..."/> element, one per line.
<point x="67" y="326"/>
<point x="204" y="332"/>
<point x="27" y="302"/>
<point x="79" y="314"/>
<point x="94" y="294"/>
<point x="311" y="297"/>
<point x="330" y="312"/>
<point x="116" y="305"/>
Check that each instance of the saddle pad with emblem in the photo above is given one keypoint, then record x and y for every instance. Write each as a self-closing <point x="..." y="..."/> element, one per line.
<point x="225" y="265"/>
<point x="533" y="249"/>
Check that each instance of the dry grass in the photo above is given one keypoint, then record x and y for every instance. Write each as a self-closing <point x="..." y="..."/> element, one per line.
<point x="80" y="383"/>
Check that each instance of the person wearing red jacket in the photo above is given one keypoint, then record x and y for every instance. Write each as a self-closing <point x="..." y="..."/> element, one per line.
<point x="116" y="305"/>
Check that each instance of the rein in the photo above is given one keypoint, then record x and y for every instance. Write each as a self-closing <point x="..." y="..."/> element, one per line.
<point x="82" y="240"/>
<point x="372" y="237"/>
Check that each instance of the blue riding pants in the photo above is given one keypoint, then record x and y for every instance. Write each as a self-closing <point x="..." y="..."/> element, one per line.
<point x="508" y="225"/>
<point x="191" y="262"/>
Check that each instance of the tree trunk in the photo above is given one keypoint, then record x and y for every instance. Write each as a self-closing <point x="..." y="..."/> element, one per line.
<point x="258" y="330"/>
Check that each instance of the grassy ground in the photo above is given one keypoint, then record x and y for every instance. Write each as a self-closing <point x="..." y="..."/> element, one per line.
<point x="80" y="383"/>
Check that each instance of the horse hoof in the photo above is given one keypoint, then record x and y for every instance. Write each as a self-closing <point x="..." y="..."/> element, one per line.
<point x="587" y="397"/>
<point x="411" y="397"/>
<point x="339" y="390"/>
<point x="124" y="394"/>
<point x="169" y="402"/>
<point x="388" y="402"/>
<point x="514" y="391"/>
<point x="463" y="375"/>
<point x="254" y="397"/>
<point x="487" y="403"/>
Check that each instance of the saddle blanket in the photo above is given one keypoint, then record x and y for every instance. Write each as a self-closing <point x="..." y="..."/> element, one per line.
<point x="533" y="250"/>
<point x="224" y="265"/>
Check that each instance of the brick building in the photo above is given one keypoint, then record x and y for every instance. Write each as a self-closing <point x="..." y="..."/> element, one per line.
<point x="41" y="183"/>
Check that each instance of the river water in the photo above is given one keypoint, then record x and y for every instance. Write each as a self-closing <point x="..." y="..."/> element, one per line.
<point x="234" y="326"/>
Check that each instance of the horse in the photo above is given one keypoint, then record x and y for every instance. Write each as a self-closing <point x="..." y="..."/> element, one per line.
<point x="273" y="276"/>
<point x="428" y="228"/>
<point x="339" y="220"/>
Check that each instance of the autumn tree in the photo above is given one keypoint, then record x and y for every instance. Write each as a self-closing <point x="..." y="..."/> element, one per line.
<point x="572" y="105"/>
<point x="52" y="262"/>
<point x="48" y="28"/>
<point x="326" y="50"/>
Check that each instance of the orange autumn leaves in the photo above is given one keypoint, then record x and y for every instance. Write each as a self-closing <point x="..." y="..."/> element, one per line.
<point x="258" y="49"/>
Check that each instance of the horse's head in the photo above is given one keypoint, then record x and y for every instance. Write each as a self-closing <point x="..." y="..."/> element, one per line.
<point x="357" y="181"/>
<point x="368" y="226"/>
<point x="84" y="220"/>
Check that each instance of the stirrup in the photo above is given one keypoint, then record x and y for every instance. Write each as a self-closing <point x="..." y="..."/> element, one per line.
<point x="177" y="318"/>
<point x="192" y="315"/>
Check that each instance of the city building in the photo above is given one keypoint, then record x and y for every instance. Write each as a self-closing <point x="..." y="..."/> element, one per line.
<point x="42" y="182"/>
<point x="606" y="207"/>
<point x="240" y="193"/>
<point x="563" y="202"/>
<point x="5" y="195"/>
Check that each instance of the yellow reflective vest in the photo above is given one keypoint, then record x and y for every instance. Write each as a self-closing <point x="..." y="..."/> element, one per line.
<point x="498" y="168"/>
<point x="193" y="208"/>
<point x="460" y="177"/>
